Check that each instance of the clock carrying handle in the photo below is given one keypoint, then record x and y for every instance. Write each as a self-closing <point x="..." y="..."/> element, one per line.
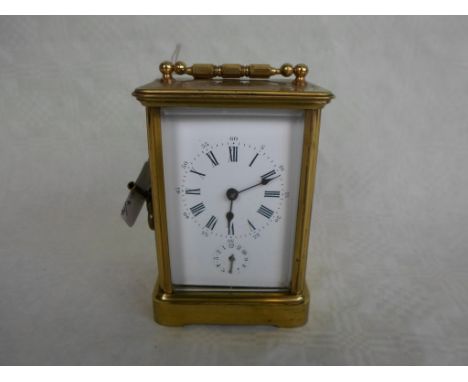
<point x="207" y="71"/>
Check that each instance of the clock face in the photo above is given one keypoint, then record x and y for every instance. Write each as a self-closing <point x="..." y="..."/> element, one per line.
<point x="231" y="182"/>
<point x="222" y="206"/>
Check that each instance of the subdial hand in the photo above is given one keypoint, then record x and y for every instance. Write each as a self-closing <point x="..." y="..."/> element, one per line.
<point x="231" y="260"/>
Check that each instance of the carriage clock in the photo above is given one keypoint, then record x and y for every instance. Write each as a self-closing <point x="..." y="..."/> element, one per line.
<point x="232" y="161"/>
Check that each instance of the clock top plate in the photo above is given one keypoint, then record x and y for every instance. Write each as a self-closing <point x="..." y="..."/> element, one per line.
<point x="234" y="93"/>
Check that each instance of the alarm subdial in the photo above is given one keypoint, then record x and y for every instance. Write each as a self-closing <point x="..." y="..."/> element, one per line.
<point x="231" y="258"/>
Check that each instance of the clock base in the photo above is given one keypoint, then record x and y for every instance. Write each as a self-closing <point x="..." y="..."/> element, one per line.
<point x="230" y="308"/>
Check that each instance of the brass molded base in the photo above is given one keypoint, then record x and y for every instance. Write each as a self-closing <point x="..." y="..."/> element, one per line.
<point x="235" y="308"/>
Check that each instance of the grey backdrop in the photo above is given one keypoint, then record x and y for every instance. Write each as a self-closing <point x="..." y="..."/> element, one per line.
<point x="388" y="265"/>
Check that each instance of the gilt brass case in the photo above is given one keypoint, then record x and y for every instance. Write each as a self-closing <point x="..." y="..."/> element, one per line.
<point x="283" y="309"/>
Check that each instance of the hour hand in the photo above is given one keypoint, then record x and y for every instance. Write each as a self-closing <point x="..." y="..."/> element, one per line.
<point x="229" y="217"/>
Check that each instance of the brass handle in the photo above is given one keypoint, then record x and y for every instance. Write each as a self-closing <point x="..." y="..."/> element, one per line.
<point x="207" y="71"/>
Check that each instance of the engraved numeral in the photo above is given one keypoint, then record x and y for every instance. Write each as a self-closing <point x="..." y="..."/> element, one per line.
<point x="192" y="191"/>
<point x="268" y="174"/>
<point x="196" y="172"/>
<point x="212" y="158"/>
<point x="233" y="152"/>
<point x="265" y="211"/>
<point x="197" y="209"/>
<point x="253" y="160"/>
<point x="211" y="223"/>
<point x="272" y="194"/>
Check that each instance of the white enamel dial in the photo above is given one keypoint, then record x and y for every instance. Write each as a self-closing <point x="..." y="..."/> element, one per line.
<point x="208" y="202"/>
<point x="231" y="181"/>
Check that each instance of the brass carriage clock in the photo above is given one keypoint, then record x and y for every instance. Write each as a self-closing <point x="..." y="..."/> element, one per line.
<point x="232" y="158"/>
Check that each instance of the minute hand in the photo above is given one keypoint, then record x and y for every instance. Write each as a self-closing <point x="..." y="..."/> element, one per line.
<point x="263" y="182"/>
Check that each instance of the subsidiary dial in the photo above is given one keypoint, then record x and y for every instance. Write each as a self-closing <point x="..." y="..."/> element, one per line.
<point x="231" y="258"/>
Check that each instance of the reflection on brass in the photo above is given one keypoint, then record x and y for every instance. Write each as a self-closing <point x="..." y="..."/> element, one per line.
<point x="208" y="71"/>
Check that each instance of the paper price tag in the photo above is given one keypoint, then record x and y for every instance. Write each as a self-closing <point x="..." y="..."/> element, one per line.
<point x="135" y="200"/>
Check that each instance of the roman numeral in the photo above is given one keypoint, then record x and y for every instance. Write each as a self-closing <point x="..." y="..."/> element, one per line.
<point x="265" y="211"/>
<point x="196" y="172"/>
<point x="268" y="174"/>
<point x="211" y="223"/>
<point x="272" y="194"/>
<point x="251" y="225"/>
<point x="253" y="160"/>
<point x="192" y="191"/>
<point x="233" y="151"/>
<point x="212" y="158"/>
<point x="197" y="209"/>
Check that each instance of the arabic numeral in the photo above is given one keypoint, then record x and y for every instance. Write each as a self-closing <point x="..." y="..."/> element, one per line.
<point x="256" y="235"/>
<point x="186" y="215"/>
<point x="205" y="145"/>
<point x="230" y="243"/>
<point x="281" y="168"/>
<point x="185" y="164"/>
<point x="277" y="218"/>
<point x="233" y="139"/>
<point x="177" y="190"/>
<point x="286" y="194"/>
<point x="204" y="233"/>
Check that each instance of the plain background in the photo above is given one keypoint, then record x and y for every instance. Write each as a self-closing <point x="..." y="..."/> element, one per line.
<point x="388" y="260"/>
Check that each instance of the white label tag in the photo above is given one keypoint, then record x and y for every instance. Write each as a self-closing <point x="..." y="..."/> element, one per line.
<point x="134" y="202"/>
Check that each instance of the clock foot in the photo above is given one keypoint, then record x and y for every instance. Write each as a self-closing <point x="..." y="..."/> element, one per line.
<point x="279" y="309"/>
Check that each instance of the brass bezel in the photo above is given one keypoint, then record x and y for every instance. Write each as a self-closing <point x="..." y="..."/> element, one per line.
<point x="283" y="309"/>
